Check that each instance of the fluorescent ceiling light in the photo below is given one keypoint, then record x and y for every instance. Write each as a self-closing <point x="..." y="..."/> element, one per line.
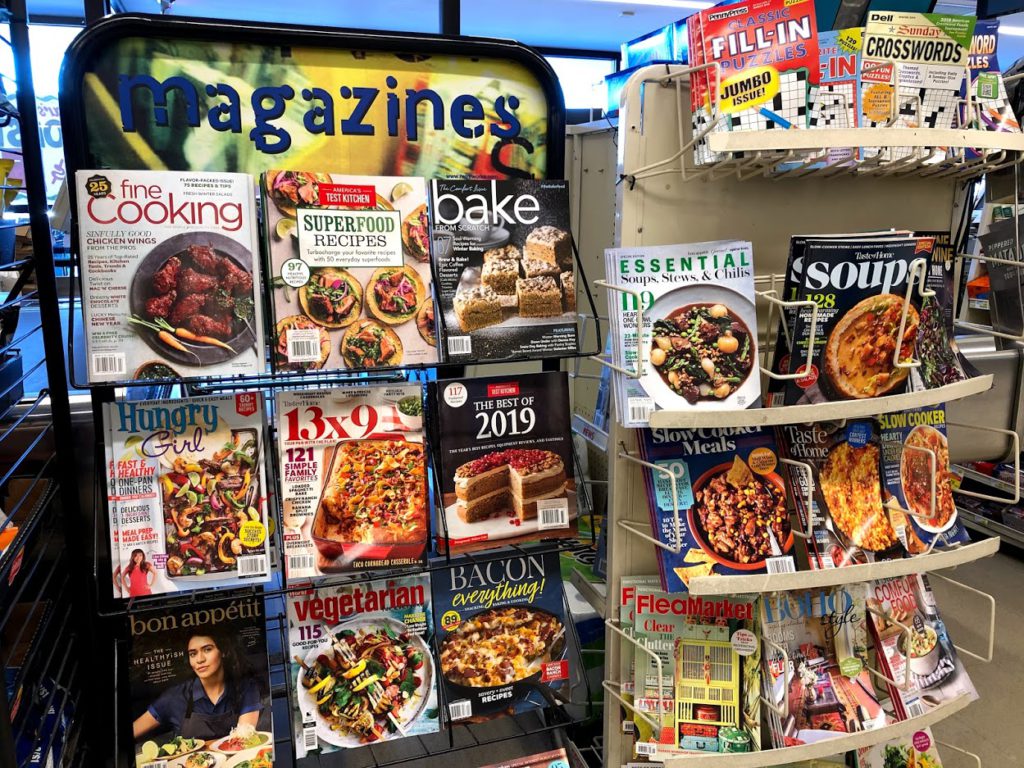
<point x="697" y="4"/>
<point x="1012" y="31"/>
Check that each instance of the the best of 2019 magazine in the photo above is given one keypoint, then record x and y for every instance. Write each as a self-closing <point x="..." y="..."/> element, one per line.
<point x="170" y="274"/>
<point x="507" y="469"/>
<point x="911" y="616"/>
<point x="506" y="272"/>
<point x="916" y="475"/>
<point x="353" y="479"/>
<point x="698" y="345"/>
<point x="187" y="493"/>
<point x="183" y="658"/>
<point x="823" y="686"/>
<point x="713" y="470"/>
<point x="350" y="271"/>
<point x="502" y="634"/>
<point x="361" y="667"/>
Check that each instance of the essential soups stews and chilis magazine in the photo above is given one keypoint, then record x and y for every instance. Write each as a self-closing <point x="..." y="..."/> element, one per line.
<point x="361" y="665"/>
<point x="698" y="344"/>
<point x="187" y="493"/>
<point x="353" y="479"/>
<point x="184" y="658"/>
<point x="170" y="276"/>
<point x="350" y="265"/>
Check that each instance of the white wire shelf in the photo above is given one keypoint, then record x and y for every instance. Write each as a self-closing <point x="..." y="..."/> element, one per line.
<point x="841" y="138"/>
<point x="707" y="586"/>
<point x="824" y="748"/>
<point x="830" y="411"/>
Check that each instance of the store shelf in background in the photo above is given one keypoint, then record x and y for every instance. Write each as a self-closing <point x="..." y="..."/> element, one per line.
<point x="978" y="304"/>
<point x="781" y="582"/>
<point x="825" y="748"/>
<point x="987" y="525"/>
<point x="804" y="414"/>
<point x="594" y="435"/>
<point x="980" y="477"/>
<point x="594" y="592"/>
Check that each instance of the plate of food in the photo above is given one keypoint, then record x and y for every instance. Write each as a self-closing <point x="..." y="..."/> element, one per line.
<point x="192" y="301"/>
<point x="850" y="484"/>
<point x="319" y="341"/>
<point x="242" y="739"/>
<point x="200" y="759"/>
<point x="393" y="294"/>
<point x="393" y="471"/>
<point x="919" y="481"/>
<point x="739" y="517"/>
<point x="701" y="348"/>
<point x="289" y="189"/>
<point x="425" y="322"/>
<point x="368" y="344"/>
<point x="179" y="746"/>
<point x="207" y="495"/>
<point x="333" y="687"/>
<point x="502" y="646"/>
<point x="264" y="758"/>
<point x="858" y="357"/>
<point x="332" y="298"/>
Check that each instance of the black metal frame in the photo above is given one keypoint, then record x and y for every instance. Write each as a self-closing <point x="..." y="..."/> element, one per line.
<point x="97" y="37"/>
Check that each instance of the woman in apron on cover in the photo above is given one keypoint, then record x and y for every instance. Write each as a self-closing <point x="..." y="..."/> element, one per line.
<point x="207" y="706"/>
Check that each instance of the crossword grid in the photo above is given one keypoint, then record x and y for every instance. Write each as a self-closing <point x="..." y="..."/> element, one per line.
<point x="790" y="103"/>
<point x="833" y="106"/>
<point x="939" y="108"/>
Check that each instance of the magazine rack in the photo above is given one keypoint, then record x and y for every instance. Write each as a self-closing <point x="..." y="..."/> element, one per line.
<point x="766" y="186"/>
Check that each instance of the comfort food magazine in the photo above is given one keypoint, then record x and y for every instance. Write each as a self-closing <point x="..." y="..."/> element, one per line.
<point x="503" y="643"/>
<point x="717" y="472"/>
<point x="349" y="259"/>
<point x="507" y="474"/>
<point x="361" y="666"/>
<point x="353" y="479"/>
<point x="181" y="660"/>
<point x="170" y="274"/>
<point x="187" y="493"/>
<point x="698" y="344"/>
<point x="506" y="272"/>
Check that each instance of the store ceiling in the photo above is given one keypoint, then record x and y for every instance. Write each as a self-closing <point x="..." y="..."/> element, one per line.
<point x="593" y="24"/>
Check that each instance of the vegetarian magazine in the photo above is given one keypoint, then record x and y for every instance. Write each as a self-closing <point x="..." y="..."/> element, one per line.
<point x="170" y="274"/>
<point x="505" y="268"/>
<point x="847" y="519"/>
<point x="187" y="493"/>
<point x="822" y="683"/>
<point x="712" y="471"/>
<point x="184" y="659"/>
<point x="350" y="271"/>
<point x="859" y="288"/>
<point x="361" y="667"/>
<point x="502" y="635"/>
<point x="911" y="638"/>
<point x="697" y="348"/>
<point x="337" y="449"/>
<point x="916" y="475"/>
<point x="507" y="474"/>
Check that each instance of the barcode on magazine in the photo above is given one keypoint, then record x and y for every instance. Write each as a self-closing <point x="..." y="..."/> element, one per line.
<point x="460" y="710"/>
<point x="646" y="748"/>
<point x="303" y="345"/>
<point x="309" y="736"/>
<point x="156" y="764"/>
<point x="552" y="513"/>
<point x="780" y="565"/>
<point x="628" y="726"/>
<point x="640" y="408"/>
<point x="460" y="345"/>
<point x="915" y="708"/>
<point x="300" y="562"/>
<point x="252" y="565"/>
<point x="106" y="364"/>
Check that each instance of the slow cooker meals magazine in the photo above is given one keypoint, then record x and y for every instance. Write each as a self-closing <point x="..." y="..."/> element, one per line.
<point x="170" y="274"/>
<point x="353" y="479"/>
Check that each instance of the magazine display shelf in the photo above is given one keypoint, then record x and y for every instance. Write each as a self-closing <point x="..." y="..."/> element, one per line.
<point x="772" y="185"/>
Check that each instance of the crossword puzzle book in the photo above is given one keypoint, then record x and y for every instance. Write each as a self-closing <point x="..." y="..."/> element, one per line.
<point x="766" y="52"/>
<point x="991" y="107"/>
<point x="835" y="101"/>
<point x="923" y="56"/>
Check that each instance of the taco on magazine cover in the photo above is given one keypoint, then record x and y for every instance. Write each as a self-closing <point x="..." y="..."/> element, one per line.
<point x="393" y="294"/>
<point x="332" y="298"/>
<point x="368" y="344"/>
<point x="416" y="234"/>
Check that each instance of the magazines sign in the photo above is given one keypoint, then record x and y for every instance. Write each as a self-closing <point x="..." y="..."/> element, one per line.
<point x="205" y="97"/>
